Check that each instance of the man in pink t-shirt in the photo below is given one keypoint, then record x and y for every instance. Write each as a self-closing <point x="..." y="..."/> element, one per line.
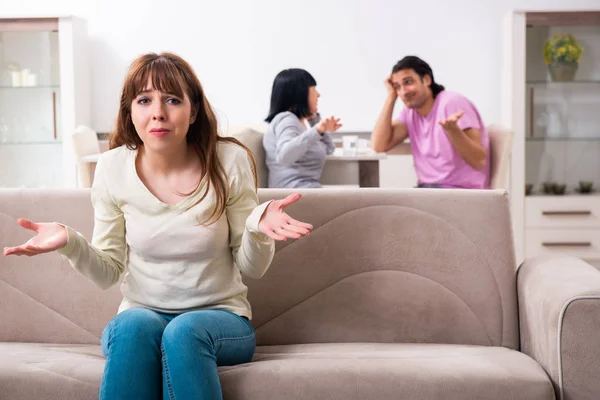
<point x="448" y="139"/>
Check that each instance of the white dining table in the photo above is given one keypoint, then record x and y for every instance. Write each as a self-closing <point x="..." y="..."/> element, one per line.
<point x="367" y="160"/>
<point x="338" y="155"/>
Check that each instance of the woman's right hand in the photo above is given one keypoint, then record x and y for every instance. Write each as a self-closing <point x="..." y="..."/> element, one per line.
<point x="50" y="236"/>
<point x="329" y="124"/>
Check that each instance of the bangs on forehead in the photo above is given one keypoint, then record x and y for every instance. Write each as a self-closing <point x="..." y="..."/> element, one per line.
<point x="164" y="75"/>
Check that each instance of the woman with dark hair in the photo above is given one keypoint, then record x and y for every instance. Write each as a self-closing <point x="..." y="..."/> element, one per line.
<point x="296" y="141"/>
<point x="176" y="212"/>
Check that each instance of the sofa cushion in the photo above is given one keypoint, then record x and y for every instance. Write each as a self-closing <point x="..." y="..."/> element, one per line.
<point x="386" y="371"/>
<point x="310" y="371"/>
<point x="50" y="371"/>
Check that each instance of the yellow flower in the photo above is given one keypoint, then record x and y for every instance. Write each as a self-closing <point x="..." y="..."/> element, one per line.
<point x="562" y="48"/>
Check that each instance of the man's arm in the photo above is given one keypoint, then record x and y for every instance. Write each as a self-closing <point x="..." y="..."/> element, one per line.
<point x="466" y="142"/>
<point x="387" y="134"/>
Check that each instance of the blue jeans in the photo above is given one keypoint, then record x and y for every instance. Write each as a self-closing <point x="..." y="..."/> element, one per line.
<point x="151" y="355"/>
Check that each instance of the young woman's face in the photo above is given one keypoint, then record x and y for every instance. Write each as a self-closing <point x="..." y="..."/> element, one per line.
<point x="161" y="119"/>
<point x="313" y="100"/>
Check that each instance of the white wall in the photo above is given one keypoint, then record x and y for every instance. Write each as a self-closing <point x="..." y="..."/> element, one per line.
<point x="238" y="46"/>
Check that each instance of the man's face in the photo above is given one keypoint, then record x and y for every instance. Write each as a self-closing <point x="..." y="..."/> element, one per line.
<point x="411" y="88"/>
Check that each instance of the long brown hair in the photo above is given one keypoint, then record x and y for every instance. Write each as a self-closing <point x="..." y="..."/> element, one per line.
<point x="170" y="73"/>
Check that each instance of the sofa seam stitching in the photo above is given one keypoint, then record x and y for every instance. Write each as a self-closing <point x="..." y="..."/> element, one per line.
<point x="382" y="270"/>
<point x="47" y="307"/>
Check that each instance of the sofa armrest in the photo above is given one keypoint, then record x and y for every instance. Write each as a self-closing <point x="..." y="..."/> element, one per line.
<point x="559" y="315"/>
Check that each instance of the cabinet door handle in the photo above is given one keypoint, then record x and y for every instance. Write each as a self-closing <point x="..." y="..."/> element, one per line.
<point x="54" y="115"/>
<point x="570" y="212"/>
<point x="567" y="244"/>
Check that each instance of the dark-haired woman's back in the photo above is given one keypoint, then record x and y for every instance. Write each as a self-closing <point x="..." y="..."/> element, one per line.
<point x="295" y="154"/>
<point x="296" y="142"/>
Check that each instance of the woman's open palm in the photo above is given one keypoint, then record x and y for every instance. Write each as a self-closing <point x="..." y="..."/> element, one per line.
<point x="330" y="124"/>
<point x="277" y="225"/>
<point x="50" y="236"/>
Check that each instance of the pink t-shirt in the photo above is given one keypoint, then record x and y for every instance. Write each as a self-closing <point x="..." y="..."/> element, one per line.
<point x="436" y="160"/>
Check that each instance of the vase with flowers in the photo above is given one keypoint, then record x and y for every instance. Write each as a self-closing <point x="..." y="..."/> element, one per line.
<point x="562" y="54"/>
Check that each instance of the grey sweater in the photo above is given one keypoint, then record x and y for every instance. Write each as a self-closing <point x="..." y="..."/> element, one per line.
<point x="294" y="155"/>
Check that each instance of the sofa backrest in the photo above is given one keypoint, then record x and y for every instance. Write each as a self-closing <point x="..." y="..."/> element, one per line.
<point x="381" y="265"/>
<point x="392" y="265"/>
<point x="252" y="137"/>
<point x="43" y="299"/>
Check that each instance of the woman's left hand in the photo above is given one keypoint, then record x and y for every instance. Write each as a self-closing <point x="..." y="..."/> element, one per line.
<point x="277" y="225"/>
<point x="329" y="124"/>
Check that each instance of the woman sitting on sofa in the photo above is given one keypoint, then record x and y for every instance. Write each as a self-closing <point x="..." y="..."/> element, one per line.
<point x="176" y="211"/>
<point x="296" y="142"/>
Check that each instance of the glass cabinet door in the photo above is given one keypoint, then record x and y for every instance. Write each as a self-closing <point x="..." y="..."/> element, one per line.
<point x="562" y="116"/>
<point x="29" y="87"/>
<point x="30" y="105"/>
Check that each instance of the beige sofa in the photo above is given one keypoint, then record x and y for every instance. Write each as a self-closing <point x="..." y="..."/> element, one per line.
<point x="397" y="294"/>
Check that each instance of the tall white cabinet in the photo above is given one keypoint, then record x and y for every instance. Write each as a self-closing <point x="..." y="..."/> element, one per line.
<point x="44" y="96"/>
<point x="556" y="154"/>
